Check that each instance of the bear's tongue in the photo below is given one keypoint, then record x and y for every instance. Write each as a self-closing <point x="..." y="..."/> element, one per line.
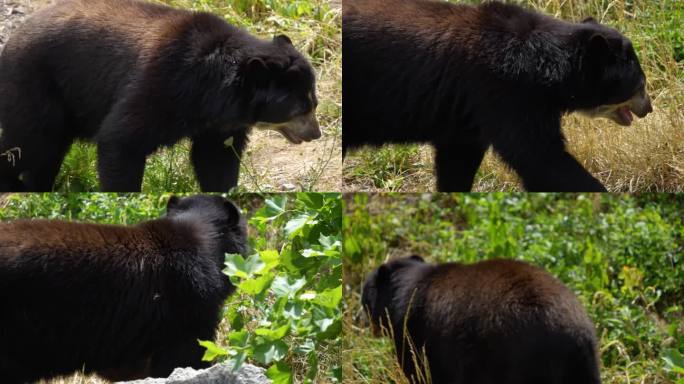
<point x="625" y="115"/>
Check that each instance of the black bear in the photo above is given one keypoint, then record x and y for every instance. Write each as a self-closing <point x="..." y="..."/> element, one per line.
<point x="464" y="78"/>
<point x="134" y="76"/>
<point x="124" y="302"/>
<point x="496" y="321"/>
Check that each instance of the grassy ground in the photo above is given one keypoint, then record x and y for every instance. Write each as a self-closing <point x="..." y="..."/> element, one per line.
<point x="270" y="162"/>
<point x="622" y="255"/>
<point x="648" y="156"/>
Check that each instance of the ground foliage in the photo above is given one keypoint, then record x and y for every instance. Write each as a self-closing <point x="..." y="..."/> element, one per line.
<point x="623" y="255"/>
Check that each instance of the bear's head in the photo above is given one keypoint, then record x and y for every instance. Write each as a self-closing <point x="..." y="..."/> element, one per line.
<point x="379" y="289"/>
<point x="283" y="88"/>
<point x="611" y="83"/>
<point x="224" y="216"/>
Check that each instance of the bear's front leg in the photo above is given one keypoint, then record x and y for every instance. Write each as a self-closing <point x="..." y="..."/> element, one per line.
<point x="187" y="353"/>
<point x="456" y="165"/>
<point x="120" y="167"/>
<point x="216" y="159"/>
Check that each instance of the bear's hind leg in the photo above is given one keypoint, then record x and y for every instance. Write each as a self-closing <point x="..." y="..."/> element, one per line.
<point x="542" y="162"/>
<point x="42" y="178"/>
<point x="456" y="165"/>
<point x="32" y="144"/>
<point x="120" y="170"/>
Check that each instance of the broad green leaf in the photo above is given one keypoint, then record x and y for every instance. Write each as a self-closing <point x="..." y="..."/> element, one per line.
<point x="212" y="351"/>
<point x="236" y="362"/>
<point x="273" y="208"/>
<point x="270" y="351"/>
<point x="329" y="241"/>
<point x="293" y="310"/>
<point x="295" y="225"/>
<point x="283" y="287"/>
<point x="312" y="253"/>
<point x="238" y="338"/>
<point x="257" y="285"/>
<point x="280" y="373"/>
<point x="253" y="264"/>
<point x="235" y="318"/>
<point x="323" y="324"/>
<point x="305" y="347"/>
<point x="277" y="206"/>
<point x="674" y="360"/>
<point x="312" y="200"/>
<point x="273" y="334"/>
<point x="270" y="258"/>
<point x="329" y="298"/>
<point x="235" y="265"/>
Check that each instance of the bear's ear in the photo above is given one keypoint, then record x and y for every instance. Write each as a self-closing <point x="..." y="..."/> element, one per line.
<point x="590" y="20"/>
<point x="417" y="258"/>
<point x="384" y="273"/>
<point x="172" y="203"/>
<point x="233" y="212"/>
<point x="598" y="44"/>
<point x="598" y="51"/>
<point x="282" y="39"/>
<point x="256" y="66"/>
<point x="256" y="72"/>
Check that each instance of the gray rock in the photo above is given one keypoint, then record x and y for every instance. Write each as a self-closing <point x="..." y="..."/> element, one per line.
<point x="218" y="374"/>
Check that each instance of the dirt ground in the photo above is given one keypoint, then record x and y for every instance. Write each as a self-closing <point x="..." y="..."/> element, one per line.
<point x="274" y="164"/>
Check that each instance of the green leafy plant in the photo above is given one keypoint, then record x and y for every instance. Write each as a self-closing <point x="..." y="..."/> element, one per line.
<point x="286" y="309"/>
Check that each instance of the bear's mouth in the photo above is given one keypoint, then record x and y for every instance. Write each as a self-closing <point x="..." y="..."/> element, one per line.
<point x="623" y="116"/>
<point x="623" y="113"/>
<point x="296" y="131"/>
<point x="291" y="137"/>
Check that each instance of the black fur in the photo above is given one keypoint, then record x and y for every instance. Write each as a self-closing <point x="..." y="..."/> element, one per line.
<point x="134" y="76"/>
<point x="124" y="302"/>
<point x="497" y="321"/>
<point x="466" y="78"/>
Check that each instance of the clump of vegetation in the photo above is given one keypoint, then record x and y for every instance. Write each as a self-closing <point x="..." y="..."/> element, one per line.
<point x="622" y="255"/>
<point x="285" y="314"/>
<point x="648" y="156"/>
<point x="315" y="28"/>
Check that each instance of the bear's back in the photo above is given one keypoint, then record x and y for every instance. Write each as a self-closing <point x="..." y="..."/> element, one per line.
<point x="493" y="321"/>
<point x="500" y="295"/>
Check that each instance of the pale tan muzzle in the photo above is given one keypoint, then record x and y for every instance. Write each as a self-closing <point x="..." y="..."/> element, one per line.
<point x="301" y="128"/>
<point x="639" y="104"/>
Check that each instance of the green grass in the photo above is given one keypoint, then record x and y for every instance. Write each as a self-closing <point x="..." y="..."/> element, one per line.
<point x="622" y="255"/>
<point x="315" y="29"/>
<point x="648" y="156"/>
